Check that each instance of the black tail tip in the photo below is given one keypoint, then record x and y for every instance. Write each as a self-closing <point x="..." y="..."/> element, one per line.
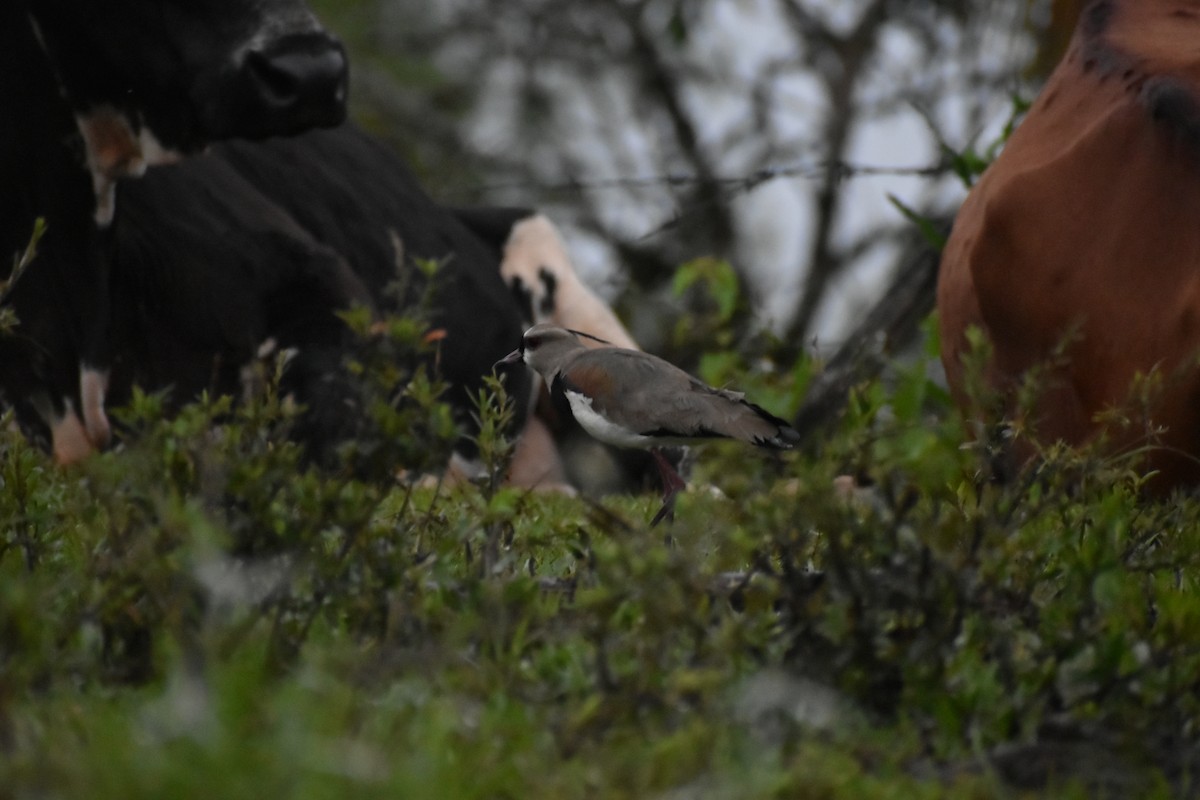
<point x="785" y="438"/>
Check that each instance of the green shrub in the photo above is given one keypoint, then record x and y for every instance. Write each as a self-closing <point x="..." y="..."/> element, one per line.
<point x="200" y="612"/>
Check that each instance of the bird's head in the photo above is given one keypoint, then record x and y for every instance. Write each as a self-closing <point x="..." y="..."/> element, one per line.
<point x="545" y="347"/>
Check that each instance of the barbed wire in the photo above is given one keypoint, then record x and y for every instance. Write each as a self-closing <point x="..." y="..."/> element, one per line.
<point x="810" y="171"/>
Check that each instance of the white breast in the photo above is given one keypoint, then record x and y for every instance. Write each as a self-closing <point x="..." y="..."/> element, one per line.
<point x="604" y="430"/>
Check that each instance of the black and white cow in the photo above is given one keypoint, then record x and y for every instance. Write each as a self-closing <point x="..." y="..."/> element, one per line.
<point x="259" y="242"/>
<point x="93" y="92"/>
<point x="209" y="258"/>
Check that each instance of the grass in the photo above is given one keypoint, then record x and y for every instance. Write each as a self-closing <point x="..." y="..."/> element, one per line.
<point x="199" y="614"/>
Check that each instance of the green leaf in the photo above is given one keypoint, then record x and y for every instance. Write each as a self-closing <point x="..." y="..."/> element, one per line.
<point x="928" y="230"/>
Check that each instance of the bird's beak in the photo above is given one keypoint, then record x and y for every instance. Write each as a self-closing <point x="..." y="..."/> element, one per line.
<point x="511" y="358"/>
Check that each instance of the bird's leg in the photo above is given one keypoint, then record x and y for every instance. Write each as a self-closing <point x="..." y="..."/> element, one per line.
<point x="672" y="485"/>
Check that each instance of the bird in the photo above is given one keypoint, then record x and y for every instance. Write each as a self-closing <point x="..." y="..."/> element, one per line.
<point x="632" y="399"/>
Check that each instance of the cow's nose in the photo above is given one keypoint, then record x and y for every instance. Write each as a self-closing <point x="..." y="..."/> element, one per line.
<point x="301" y="79"/>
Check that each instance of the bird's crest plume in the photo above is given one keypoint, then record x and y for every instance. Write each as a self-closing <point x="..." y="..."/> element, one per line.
<point x="589" y="336"/>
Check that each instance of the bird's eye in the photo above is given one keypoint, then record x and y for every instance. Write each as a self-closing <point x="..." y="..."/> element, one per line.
<point x="533" y="342"/>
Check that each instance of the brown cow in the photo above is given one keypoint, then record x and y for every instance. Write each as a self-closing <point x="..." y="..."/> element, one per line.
<point x="1079" y="249"/>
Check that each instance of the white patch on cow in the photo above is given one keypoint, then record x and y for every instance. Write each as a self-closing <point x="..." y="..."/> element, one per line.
<point x="114" y="151"/>
<point x="534" y="249"/>
<point x="93" y="385"/>
<point x="69" y="439"/>
<point x="154" y="152"/>
<point x="602" y="428"/>
<point x="106" y="199"/>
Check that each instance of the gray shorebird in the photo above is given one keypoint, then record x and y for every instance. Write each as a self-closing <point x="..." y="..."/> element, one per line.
<point x="628" y="398"/>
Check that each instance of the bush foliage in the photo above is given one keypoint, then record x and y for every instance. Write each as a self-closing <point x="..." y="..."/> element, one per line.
<point x="201" y="613"/>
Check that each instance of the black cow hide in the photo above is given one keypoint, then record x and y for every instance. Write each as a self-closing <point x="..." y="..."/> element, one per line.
<point x="91" y="92"/>
<point x="253" y="242"/>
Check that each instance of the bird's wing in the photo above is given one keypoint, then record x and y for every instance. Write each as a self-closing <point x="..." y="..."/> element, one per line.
<point x="648" y="395"/>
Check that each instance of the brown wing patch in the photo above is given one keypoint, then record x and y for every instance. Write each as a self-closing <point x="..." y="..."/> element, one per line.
<point x="590" y="379"/>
